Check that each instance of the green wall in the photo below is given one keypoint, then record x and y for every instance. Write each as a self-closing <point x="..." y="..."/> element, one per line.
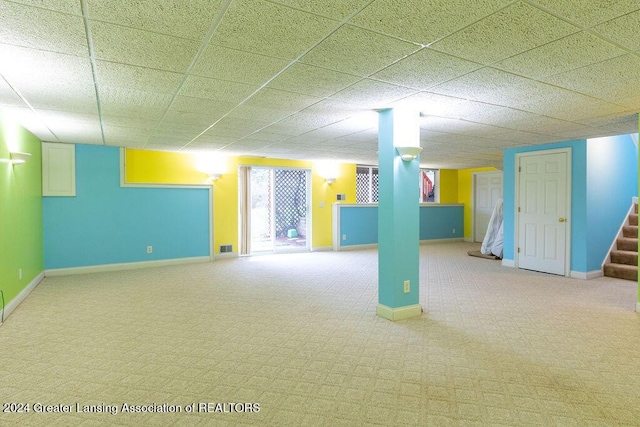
<point x="21" y="244"/>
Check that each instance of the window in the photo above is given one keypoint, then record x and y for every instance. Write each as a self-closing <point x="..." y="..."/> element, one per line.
<point x="367" y="185"/>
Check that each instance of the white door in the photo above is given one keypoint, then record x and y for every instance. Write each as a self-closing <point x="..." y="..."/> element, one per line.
<point x="542" y="210"/>
<point x="488" y="189"/>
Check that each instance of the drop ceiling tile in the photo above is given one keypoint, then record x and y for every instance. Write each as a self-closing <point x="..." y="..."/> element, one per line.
<point x="142" y="48"/>
<point x="246" y="124"/>
<point x="141" y="78"/>
<point x="125" y="134"/>
<point x="265" y="114"/>
<point x="265" y="136"/>
<point x="227" y="132"/>
<point x="608" y="80"/>
<point x="173" y="17"/>
<point x="589" y="12"/>
<point x="129" y="110"/>
<point x="164" y="145"/>
<point x="270" y="29"/>
<point x="129" y="122"/>
<point x="80" y="134"/>
<point x="71" y="7"/>
<point x="199" y="147"/>
<point x="413" y="20"/>
<point x="282" y="100"/>
<point x="310" y="80"/>
<point x="202" y="87"/>
<point x="222" y="63"/>
<point x="575" y="51"/>
<point x="434" y="104"/>
<point x="510" y="31"/>
<point x="126" y="142"/>
<point x="357" y="51"/>
<point x="203" y="106"/>
<point x="336" y="9"/>
<point x="8" y="96"/>
<point x="31" y="121"/>
<point x="371" y="94"/>
<point x="183" y="130"/>
<point x="134" y="97"/>
<point x="42" y="29"/>
<point x="622" y="30"/>
<point x="424" y="69"/>
<point x="190" y="118"/>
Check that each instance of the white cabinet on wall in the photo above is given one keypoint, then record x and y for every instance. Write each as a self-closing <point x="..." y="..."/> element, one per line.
<point x="58" y="169"/>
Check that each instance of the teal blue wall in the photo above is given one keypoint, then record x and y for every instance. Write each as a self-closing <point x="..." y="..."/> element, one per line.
<point x="578" y="199"/>
<point x="360" y="223"/>
<point x="612" y="182"/>
<point x="107" y="224"/>
<point x="604" y="178"/>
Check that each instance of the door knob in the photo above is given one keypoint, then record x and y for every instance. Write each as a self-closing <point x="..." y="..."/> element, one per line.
<point x="561" y="219"/>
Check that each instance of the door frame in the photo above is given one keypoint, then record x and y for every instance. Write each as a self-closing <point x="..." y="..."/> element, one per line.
<point x="309" y="187"/>
<point x="569" y="190"/>
<point x="474" y="176"/>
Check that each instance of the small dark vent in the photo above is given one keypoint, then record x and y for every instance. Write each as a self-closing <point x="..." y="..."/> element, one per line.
<point x="226" y="249"/>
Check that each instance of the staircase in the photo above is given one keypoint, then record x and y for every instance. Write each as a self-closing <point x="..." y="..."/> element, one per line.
<point x="623" y="258"/>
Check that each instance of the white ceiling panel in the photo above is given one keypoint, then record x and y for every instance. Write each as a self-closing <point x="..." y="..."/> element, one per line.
<point x="142" y="48"/>
<point x="301" y="80"/>
<point x="270" y="29"/>
<point x="563" y="55"/>
<point x="141" y="78"/>
<point x="370" y="94"/>
<point x="311" y="80"/>
<point x="165" y="17"/>
<point x="415" y="21"/>
<point x="221" y="90"/>
<point x="42" y="29"/>
<point x="357" y="51"/>
<point x="588" y="13"/>
<point x="510" y="31"/>
<point x="425" y="68"/>
<point x="233" y="65"/>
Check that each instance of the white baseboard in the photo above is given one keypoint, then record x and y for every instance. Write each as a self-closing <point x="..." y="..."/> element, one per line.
<point x="21" y="296"/>
<point x="451" y="240"/>
<point x="469" y="240"/>
<point x="123" y="266"/>
<point x="398" y="313"/>
<point x="508" y="263"/>
<point x="588" y="275"/>
<point x="321" y="248"/>
<point x="358" y="247"/>
<point x="226" y="255"/>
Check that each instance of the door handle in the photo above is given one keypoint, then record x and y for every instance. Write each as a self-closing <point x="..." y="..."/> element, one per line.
<point x="561" y="219"/>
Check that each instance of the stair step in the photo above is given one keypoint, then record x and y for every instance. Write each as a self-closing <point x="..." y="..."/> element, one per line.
<point x="630" y="231"/>
<point x="621" y="271"/>
<point x="624" y="257"/>
<point x="633" y="219"/>
<point x="627" y="244"/>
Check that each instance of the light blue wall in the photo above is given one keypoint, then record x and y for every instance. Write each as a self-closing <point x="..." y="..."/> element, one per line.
<point x="578" y="199"/>
<point x="360" y="223"/>
<point x="612" y="182"/>
<point x="106" y="224"/>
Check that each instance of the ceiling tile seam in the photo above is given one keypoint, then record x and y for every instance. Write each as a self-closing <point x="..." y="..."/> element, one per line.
<point x="582" y="27"/>
<point x="443" y="37"/>
<point x="288" y="6"/>
<point x="21" y="4"/>
<point x="33" y="110"/>
<point x="203" y="46"/>
<point x="94" y="68"/>
<point x="272" y="78"/>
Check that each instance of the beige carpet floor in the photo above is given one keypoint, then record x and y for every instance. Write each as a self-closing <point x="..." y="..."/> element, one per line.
<point x="297" y="334"/>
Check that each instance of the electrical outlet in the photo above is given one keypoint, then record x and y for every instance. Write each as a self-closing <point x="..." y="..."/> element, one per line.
<point x="20" y="274"/>
<point x="344" y="237"/>
<point x="407" y="286"/>
<point x="453" y="231"/>
<point x="149" y="249"/>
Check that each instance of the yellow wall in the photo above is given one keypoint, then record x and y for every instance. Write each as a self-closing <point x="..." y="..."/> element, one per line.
<point x="448" y="186"/>
<point x="465" y="184"/>
<point x="153" y="167"/>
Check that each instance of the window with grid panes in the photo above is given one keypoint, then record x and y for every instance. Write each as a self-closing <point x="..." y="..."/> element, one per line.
<point x="367" y="185"/>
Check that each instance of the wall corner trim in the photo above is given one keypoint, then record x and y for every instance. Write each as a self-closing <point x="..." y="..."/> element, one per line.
<point x="123" y="266"/>
<point x="226" y="255"/>
<point x="588" y="275"/>
<point x="21" y="296"/>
